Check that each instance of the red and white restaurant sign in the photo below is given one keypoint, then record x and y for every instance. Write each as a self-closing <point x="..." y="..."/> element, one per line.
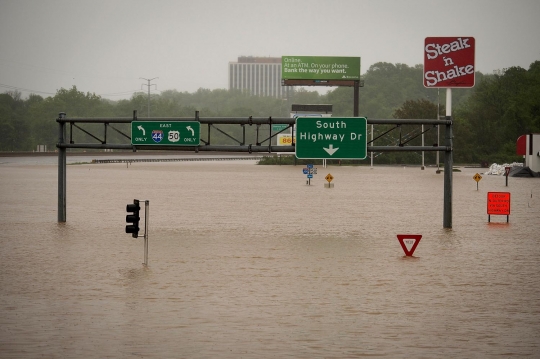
<point x="409" y="242"/>
<point x="449" y="62"/>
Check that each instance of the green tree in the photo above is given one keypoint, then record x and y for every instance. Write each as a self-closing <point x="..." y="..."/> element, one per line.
<point x="487" y="118"/>
<point x="74" y="103"/>
<point x="419" y="109"/>
<point x="14" y="126"/>
<point x="502" y="108"/>
<point x="386" y="87"/>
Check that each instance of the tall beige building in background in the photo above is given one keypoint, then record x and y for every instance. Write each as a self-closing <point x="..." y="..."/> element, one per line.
<point x="261" y="76"/>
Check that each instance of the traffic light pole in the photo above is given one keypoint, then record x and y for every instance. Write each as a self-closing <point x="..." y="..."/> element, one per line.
<point x="146" y="216"/>
<point x="133" y="223"/>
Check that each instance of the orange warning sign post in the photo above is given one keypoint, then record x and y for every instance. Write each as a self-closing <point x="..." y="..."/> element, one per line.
<point x="498" y="203"/>
<point x="409" y="242"/>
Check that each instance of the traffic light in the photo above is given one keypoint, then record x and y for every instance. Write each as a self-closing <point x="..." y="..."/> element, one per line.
<point x="133" y="219"/>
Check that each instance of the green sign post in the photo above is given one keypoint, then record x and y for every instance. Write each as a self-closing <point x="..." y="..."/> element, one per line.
<point x="331" y="138"/>
<point x="175" y="133"/>
<point x="320" y="68"/>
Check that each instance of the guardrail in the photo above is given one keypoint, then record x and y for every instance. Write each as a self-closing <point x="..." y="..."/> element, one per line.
<point x="129" y="160"/>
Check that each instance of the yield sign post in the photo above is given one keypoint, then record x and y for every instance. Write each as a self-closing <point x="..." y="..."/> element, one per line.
<point x="409" y="241"/>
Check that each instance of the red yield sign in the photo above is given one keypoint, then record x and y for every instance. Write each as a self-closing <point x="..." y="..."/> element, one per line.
<point x="449" y="62"/>
<point x="409" y="242"/>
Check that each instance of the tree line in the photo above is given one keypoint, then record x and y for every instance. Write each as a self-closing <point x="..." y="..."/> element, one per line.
<point x="488" y="118"/>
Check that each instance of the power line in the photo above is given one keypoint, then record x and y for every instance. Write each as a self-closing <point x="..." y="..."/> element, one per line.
<point x="142" y="78"/>
<point x="25" y="90"/>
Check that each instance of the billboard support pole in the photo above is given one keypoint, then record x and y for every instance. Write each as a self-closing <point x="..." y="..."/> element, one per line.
<point x="356" y="98"/>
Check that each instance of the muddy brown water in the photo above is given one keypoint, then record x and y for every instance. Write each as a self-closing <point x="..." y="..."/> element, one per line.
<point x="247" y="261"/>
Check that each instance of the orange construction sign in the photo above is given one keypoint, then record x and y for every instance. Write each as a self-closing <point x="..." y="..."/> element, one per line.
<point x="498" y="203"/>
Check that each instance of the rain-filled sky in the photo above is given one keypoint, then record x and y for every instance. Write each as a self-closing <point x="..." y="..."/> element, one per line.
<point x="112" y="47"/>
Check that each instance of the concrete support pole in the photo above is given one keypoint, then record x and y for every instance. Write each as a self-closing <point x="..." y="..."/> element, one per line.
<point x="448" y="163"/>
<point x="61" y="170"/>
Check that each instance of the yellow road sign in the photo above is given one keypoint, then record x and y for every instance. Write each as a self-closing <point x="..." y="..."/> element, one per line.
<point x="329" y="178"/>
<point x="477" y="177"/>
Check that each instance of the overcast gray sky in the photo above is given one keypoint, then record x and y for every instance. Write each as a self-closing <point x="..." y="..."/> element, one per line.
<point x="105" y="46"/>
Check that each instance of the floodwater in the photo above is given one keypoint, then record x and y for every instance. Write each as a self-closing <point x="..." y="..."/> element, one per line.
<point x="248" y="261"/>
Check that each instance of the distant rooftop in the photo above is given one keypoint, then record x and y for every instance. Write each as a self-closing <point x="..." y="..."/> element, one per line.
<point x="259" y="60"/>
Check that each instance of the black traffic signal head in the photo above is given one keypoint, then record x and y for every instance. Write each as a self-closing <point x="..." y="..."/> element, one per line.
<point x="133" y="218"/>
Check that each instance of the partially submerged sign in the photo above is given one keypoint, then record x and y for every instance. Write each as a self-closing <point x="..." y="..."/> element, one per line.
<point x="329" y="178"/>
<point x="498" y="203"/>
<point x="409" y="242"/>
<point x="477" y="178"/>
<point x="309" y="170"/>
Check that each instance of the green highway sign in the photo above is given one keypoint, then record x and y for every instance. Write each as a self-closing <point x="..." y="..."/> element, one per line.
<point x="279" y="127"/>
<point x="175" y="133"/>
<point x="320" y="68"/>
<point x="331" y="137"/>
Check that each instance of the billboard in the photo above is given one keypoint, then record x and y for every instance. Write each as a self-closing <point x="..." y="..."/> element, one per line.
<point x="449" y="62"/>
<point x="320" y="68"/>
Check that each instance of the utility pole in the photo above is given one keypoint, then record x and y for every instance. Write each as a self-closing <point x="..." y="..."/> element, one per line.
<point x="142" y="78"/>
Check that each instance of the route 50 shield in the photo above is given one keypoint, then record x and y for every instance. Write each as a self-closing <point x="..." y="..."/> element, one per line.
<point x="174" y="136"/>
